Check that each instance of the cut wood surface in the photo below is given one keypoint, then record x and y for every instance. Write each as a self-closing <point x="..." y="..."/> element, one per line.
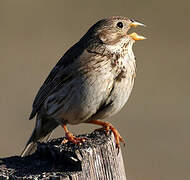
<point x="95" y="159"/>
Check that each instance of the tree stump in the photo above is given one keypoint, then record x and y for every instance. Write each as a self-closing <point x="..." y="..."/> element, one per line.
<point x="96" y="158"/>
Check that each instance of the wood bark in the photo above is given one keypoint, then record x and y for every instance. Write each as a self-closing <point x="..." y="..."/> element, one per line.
<point x="96" y="159"/>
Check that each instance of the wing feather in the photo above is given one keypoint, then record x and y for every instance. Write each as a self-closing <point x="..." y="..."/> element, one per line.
<point x="57" y="76"/>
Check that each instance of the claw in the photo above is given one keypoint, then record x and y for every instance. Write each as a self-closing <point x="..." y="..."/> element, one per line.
<point x="117" y="136"/>
<point x="75" y="140"/>
<point x="108" y="126"/>
<point x="70" y="137"/>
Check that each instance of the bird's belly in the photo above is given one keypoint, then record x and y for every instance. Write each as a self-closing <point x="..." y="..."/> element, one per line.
<point x="118" y="98"/>
<point x="122" y="91"/>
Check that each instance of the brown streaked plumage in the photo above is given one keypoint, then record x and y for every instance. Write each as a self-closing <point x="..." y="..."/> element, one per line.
<point x="92" y="81"/>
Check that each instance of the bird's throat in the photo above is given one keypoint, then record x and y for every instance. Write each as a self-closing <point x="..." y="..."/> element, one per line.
<point x="123" y="48"/>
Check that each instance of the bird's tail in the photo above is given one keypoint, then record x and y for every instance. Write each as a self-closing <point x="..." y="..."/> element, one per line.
<point x="42" y="132"/>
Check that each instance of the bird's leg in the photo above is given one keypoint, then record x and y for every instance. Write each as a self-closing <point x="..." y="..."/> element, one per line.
<point x="108" y="126"/>
<point x="70" y="137"/>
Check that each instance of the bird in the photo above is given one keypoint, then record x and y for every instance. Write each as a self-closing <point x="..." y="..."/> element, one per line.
<point x="92" y="81"/>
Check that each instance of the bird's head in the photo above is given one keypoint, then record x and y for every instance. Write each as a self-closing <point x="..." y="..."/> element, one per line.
<point x="112" y="30"/>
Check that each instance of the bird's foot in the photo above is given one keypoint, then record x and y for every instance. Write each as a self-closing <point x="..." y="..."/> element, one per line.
<point x="109" y="127"/>
<point x="71" y="138"/>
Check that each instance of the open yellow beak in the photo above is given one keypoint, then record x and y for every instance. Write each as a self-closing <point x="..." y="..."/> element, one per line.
<point x="134" y="35"/>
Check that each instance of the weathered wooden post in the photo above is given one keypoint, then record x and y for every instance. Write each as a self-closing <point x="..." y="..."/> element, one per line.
<point x="96" y="159"/>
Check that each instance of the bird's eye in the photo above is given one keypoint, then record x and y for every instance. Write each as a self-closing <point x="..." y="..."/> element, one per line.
<point x="120" y="25"/>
